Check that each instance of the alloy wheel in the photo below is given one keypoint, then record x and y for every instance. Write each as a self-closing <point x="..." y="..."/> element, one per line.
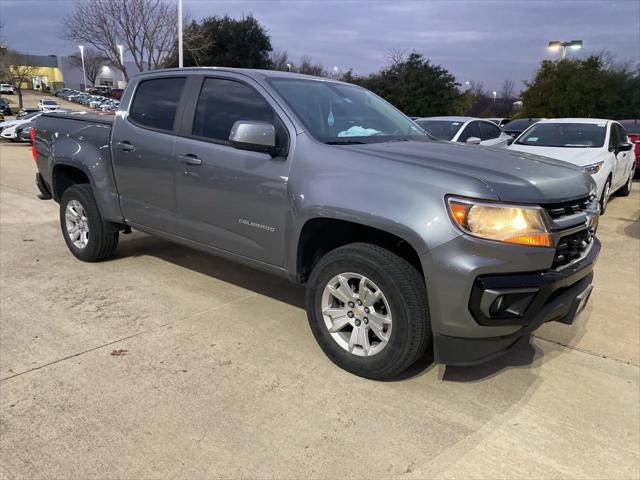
<point x="77" y="224"/>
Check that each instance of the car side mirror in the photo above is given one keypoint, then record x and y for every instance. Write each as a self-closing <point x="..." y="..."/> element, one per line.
<point x="473" y="140"/>
<point x="254" y="136"/>
<point x="622" y="147"/>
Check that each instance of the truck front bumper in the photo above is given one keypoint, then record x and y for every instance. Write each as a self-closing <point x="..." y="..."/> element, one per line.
<point x="512" y="305"/>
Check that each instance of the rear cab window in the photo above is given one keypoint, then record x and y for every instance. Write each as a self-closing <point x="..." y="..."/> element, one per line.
<point x="155" y="103"/>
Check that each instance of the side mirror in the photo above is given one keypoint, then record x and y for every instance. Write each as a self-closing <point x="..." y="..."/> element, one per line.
<point x="473" y="140"/>
<point x="622" y="147"/>
<point x="254" y="136"/>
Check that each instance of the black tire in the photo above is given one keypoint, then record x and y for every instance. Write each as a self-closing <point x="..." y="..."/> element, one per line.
<point x="102" y="237"/>
<point x="604" y="202"/>
<point x="405" y="291"/>
<point x="626" y="190"/>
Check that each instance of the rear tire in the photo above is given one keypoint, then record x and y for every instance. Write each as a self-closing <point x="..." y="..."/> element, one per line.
<point x="626" y="190"/>
<point x="393" y="295"/>
<point x="87" y="235"/>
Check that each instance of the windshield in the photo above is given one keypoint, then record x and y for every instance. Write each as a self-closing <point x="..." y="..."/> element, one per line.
<point x="442" y="129"/>
<point x="30" y="115"/>
<point x="49" y="102"/>
<point x="570" y="135"/>
<point x="337" y="113"/>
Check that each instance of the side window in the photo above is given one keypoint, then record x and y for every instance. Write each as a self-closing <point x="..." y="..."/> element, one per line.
<point x="622" y="134"/>
<point x="222" y="103"/>
<point x="616" y="135"/>
<point x="156" y="101"/>
<point x="471" y="130"/>
<point x="489" y="131"/>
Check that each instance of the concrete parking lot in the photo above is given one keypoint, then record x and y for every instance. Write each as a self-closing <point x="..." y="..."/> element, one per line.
<point x="164" y="362"/>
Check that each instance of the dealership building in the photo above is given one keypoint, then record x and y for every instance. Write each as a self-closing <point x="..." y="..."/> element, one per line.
<point x="56" y="71"/>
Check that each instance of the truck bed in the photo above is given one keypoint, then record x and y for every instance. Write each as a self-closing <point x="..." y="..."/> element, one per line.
<point x="93" y="117"/>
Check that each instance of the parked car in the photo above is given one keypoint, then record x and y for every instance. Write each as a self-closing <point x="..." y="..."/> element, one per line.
<point x="632" y="127"/>
<point x="516" y="127"/>
<point x="23" y="132"/>
<point x="6" y="89"/>
<point x="601" y="147"/>
<point x="465" y="129"/>
<point x="501" y="122"/>
<point x="5" y="108"/>
<point x="8" y="127"/>
<point x="46" y="104"/>
<point x="405" y="243"/>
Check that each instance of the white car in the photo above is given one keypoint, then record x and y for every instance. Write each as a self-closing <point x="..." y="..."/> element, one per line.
<point x="466" y="130"/>
<point x="8" y="128"/>
<point x="601" y="147"/>
<point x="6" y="88"/>
<point x="47" y="105"/>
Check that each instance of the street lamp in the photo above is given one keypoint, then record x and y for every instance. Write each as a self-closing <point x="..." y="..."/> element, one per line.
<point x="180" y="56"/>
<point x="288" y="67"/>
<point x="84" y="74"/>
<point x="556" y="45"/>
<point x="495" y="94"/>
<point x="121" y="48"/>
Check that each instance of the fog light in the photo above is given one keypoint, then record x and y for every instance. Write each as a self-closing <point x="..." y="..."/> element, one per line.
<point x="506" y="303"/>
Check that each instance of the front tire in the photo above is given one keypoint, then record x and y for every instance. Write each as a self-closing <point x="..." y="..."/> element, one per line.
<point x="367" y="309"/>
<point x="87" y="235"/>
<point x="606" y="195"/>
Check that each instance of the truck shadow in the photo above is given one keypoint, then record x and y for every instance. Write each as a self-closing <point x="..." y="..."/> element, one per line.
<point x="521" y="355"/>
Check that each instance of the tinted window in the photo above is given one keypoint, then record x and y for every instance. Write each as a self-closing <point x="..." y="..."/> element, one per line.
<point x="156" y="101"/>
<point x="471" y="130"/>
<point x="631" y="126"/>
<point x="520" y="125"/>
<point x="442" y="129"/>
<point x="222" y="103"/>
<point x="489" y="131"/>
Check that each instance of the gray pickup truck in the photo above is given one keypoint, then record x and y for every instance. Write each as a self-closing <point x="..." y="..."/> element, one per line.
<point x="405" y="243"/>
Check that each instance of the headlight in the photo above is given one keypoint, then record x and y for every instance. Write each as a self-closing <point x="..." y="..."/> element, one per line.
<point x="502" y="223"/>
<point x="593" y="168"/>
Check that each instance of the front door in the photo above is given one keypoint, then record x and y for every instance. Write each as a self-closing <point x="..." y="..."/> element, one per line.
<point x="226" y="198"/>
<point x="142" y="152"/>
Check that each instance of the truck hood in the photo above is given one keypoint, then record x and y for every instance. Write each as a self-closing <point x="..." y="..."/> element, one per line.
<point x="511" y="176"/>
<point x="576" y="156"/>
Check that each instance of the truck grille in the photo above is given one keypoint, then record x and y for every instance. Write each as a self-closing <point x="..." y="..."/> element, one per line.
<point x="573" y="246"/>
<point x="558" y="210"/>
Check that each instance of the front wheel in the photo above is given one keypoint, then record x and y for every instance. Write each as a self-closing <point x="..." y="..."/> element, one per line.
<point x="367" y="309"/>
<point x="86" y="234"/>
<point x="606" y="194"/>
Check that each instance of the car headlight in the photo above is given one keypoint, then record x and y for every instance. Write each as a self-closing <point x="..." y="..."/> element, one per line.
<point x="501" y="223"/>
<point x="593" y="168"/>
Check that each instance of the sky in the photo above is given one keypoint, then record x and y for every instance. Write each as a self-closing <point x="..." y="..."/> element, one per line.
<point x="484" y="40"/>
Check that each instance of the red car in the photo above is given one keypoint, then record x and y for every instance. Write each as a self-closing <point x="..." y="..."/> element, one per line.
<point x="632" y="128"/>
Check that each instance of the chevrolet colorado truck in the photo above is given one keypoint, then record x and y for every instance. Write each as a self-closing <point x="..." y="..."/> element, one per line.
<point x="405" y="243"/>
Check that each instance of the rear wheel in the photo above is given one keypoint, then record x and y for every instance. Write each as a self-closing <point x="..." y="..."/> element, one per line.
<point x="626" y="190"/>
<point x="87" y="235"/>
<point x="606" y="194"/>
<point x="367" y="309"/>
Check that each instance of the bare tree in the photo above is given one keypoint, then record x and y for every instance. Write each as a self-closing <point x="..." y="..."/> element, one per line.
<point x="309" y="68"/>
<point x="14" y="69"/>
<point x="477" y="89"/>
<point x="508" y="92"/>
<point x="93" y="63"/>
<point x="146" y="28"/>
<point x="280" y="60"/>
<point x="397" y="56"/>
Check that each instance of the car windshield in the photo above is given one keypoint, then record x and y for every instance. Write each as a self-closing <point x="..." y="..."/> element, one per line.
<point x="336" y="113"/>
<point x="632" y="127"/>
<point x="30" y="115"/>
<point x="521" y="124"/>
<point x="442" y="129"/>
<point x="49" y="102"/>
<point x="570" y="135"/>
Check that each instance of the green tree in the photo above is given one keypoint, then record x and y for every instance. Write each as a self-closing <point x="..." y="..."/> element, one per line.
<point x="582" y="88"/>
<point x="416" y="87"/>
<point x="225" y="42"/>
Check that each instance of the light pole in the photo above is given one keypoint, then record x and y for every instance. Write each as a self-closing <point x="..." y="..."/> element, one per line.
<point x="288" y="67"/>
<point x="495" y="94"/>
<point x="84" y="74"/>
<point x="180" y="58"/>
<point x="121" y="48"/>
<point x="556" y="45"/>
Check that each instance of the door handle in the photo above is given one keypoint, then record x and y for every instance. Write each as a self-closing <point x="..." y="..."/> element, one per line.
<point x="190" y="159"/>
<point x="126" y="146"/>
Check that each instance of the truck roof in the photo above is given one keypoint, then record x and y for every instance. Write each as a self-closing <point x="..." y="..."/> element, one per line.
<point x="249" y="72"/>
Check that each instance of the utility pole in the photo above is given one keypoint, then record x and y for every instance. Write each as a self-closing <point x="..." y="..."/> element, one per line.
<point x="180" y="58"/>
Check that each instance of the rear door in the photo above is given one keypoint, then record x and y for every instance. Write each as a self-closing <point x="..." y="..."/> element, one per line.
<point x="142" y="152"/>
<point x="226" y="198"/>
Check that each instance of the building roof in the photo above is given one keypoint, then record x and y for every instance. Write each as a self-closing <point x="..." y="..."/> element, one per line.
<point x="39" y="60"/>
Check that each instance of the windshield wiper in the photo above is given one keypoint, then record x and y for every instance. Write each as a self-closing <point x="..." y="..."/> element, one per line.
<point x="345" y="142"/>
